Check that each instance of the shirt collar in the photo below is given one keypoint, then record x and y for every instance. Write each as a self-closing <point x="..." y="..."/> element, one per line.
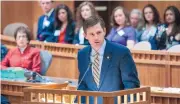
<point x="100" y="51"/>
<point x="50" y="12"/>
<point x="22" y="49"/>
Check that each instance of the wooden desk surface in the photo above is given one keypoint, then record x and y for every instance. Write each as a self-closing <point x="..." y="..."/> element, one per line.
<point x="55" y="80"/>
<point x="13" y="90"/>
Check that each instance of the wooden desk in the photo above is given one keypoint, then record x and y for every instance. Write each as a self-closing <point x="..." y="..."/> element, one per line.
<point x="165" y="97"/>
<point x="13" y="90"/>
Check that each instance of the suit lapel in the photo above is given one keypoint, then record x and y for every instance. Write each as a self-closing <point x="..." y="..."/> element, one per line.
<point x="106" y="62"/>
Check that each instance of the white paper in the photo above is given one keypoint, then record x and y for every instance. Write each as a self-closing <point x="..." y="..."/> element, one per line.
<point x="121" y="33"/>
<point x="57" y="32"/>
<point x="46" y="23"/>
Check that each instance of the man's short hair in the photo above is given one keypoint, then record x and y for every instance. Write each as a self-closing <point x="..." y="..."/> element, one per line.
<point x="91" y="21"/>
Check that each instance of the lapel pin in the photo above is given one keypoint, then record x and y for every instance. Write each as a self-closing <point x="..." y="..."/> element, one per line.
<point x="108" y="57"/>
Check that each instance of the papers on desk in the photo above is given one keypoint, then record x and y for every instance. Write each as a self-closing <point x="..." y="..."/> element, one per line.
<point x="165" y="90"/>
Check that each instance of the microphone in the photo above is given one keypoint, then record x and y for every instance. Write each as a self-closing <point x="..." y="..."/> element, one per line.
<point x="33" y="76"/>
<point x="84" y="74"/>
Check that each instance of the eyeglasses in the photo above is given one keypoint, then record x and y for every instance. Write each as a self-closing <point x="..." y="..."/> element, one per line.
<point x="23" y="37"/>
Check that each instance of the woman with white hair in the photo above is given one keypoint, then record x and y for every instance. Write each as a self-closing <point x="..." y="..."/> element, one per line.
<point x="137" y="21"/>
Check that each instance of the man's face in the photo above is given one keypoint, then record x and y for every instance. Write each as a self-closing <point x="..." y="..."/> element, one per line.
<point x="46" y="5"/>
<point x="134" y="19"/>
<point x="95" y="35"/>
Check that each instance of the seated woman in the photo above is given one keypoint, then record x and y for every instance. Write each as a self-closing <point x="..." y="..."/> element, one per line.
<point x="137" y="21"/>
<point x="152" y="20"/>
<point x="169" y="33"/>
<point x="85" y="10"/>
<point x="64" y="25"/>
<point x="23" y="56"/>
<point x="121" y="32"/>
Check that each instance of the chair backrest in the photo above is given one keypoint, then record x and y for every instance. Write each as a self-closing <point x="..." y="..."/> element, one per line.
<point x="175" y="48"/>
<point x="46" y="59"/>
<point x="144" y="45"/>
<point x="11" y="28"/>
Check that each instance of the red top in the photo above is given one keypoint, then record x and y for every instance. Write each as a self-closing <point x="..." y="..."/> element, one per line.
<point x="30" y="59"/>
<point x="62" y="36"/>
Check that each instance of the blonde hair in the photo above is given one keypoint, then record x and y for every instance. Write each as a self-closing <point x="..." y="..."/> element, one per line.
<point x="79" y="18"/>
<point x="126" y="13"/>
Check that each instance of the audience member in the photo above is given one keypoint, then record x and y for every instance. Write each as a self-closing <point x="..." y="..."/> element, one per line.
<point x="121" y="32"/>
<point x="137" y="21"/>
<point x="45" y="22"/>
<point x="169" y="33"/>
<point x="64" y="25"/>
<point x="152" y="19"/>
<point x="23" y="56"/>
<point x="84" y="11"/>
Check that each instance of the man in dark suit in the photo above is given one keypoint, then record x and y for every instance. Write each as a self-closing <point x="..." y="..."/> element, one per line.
<point x="46" y="21"/>
<point x="104" y="66"/>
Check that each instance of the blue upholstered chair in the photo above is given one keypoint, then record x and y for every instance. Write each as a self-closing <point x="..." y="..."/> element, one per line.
<point x="175" y="48"/>
<point x="143" y="45"/>
<point x="46" y="59"/>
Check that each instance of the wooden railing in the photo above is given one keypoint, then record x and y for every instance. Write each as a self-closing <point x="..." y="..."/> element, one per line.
<point x="14" y="90"/>
<point x="155" y="68"/>
<point x="47" y="95"/>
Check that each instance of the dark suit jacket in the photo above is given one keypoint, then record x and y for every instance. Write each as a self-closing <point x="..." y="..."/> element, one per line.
<point x="118" y="71"/>
<point x="45" y="33"/>
<point x="69" y="36"/>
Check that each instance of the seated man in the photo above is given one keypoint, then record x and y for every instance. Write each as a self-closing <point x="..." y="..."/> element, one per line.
<point x="104" y="66"/>
<point x="23" y="56"/>
<point x="46" y="21"/>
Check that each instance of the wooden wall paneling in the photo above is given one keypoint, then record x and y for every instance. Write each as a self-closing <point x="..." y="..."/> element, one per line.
<point x="152" y="75"/>
<point x="175" y="76"/>
<point x="175" y="69"/>
<point x="63" y="67"/>
<point x="16" y="11"/>
<point x="151" y="67"/>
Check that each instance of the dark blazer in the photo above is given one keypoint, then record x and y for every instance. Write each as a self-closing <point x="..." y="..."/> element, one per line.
<point x="118" y="71"/>
<point x="4" y="100"/>
<point x="69" y="36"/>
<point x="76" y="39"/>
<point x="44" y="33"/>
